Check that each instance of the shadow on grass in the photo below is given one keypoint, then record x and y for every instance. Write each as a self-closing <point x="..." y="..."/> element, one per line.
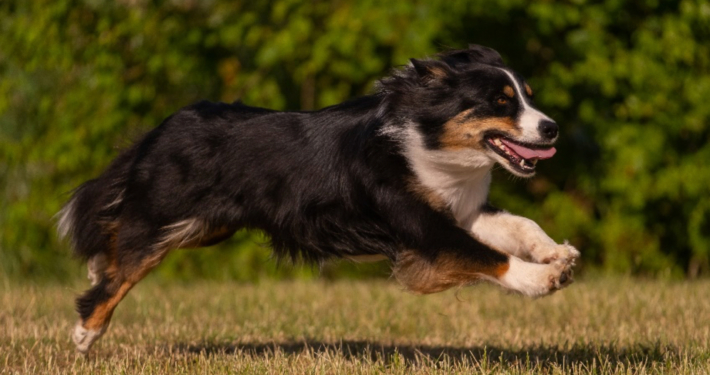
<point x="591" y="356"/>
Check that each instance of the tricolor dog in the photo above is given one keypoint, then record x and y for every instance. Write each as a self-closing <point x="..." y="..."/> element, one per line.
<point x="402" y="174"/>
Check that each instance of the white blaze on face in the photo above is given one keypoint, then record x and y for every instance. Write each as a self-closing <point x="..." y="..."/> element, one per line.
<point x="530" y="118"/>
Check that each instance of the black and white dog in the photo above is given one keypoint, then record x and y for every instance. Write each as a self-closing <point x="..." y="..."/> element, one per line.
<point x="402" y="174"/>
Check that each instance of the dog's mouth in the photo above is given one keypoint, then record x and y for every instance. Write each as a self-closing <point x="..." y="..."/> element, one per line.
<point x="521" y="157"/>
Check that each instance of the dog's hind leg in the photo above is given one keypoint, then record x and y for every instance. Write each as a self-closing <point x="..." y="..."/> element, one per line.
<point x="113" y="275"/>
<point x="96" y="265"/>
<point x="121" y="268"/>
<point x="96" y="306"/>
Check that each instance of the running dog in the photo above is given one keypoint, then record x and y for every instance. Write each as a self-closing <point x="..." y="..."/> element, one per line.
<point x="402" y="174"/>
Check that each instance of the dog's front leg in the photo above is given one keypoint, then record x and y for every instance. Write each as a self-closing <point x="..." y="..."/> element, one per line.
<point x="521" y="237"/>
<point x="445" y="256"/>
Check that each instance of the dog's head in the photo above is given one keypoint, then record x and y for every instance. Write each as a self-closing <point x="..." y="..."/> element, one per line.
<point x="467" y="102"/>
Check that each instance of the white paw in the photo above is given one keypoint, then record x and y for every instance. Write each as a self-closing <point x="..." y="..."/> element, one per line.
<point x="83" y="338"/>
<point x="537" y="280"/>
<point x="564" y="253"/>
<point x="562" y="273"/>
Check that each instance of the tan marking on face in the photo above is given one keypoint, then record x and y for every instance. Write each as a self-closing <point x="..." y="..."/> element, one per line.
<point x="422" y="276"/>
<point x="528" y="90"/>
<point x="461" y="132"/>
<point x="428" y="195"/>
<point x="508" y="91"/>
<point x="437" y="72"/>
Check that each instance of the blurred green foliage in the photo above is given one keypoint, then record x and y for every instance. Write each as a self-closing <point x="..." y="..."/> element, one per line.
<point x="628" y="80"/>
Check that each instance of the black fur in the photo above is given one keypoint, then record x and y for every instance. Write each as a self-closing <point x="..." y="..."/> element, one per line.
<point x="329" y="183"/>
<point x="99" y="293"/>
<point x="341" y="182"/>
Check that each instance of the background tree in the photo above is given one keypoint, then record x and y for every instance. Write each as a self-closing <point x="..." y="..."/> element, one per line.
<point x="628" y="80"/>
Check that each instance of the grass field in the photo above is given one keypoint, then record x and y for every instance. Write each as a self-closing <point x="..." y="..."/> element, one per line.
<point x="354" y="327"/>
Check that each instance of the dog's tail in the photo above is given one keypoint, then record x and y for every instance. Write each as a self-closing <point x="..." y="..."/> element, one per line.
<point x="91" y="214"/>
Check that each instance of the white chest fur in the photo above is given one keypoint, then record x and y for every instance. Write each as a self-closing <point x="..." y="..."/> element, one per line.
<point x="461" y="178"/>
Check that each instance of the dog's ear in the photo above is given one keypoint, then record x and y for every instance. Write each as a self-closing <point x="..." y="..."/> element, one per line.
<point x="430" y="70"/>
<point x="484" y="55"/>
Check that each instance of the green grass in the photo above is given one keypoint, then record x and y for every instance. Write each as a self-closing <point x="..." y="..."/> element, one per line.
<point x="598" y="326"/>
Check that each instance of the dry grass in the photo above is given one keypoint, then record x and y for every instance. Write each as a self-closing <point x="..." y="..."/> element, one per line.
<point x="601" y="326"/>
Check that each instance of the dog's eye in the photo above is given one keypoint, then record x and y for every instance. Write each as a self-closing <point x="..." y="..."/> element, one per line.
<point x="502" y="100"/>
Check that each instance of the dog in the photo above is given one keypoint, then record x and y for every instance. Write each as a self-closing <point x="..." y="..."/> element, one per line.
<point x="402" y="174"/>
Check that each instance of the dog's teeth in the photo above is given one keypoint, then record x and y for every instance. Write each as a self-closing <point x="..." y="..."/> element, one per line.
<point x="497" y="142"/>
<point x="533" y="161"/>
<point x="522" y="163"/>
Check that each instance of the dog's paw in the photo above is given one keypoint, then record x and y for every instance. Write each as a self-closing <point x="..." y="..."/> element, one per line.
<point x="565" y="253"/>
<point x="84" y="338"/>
<point x="558" y="274"/>
<point x="535" y="279"/>
<point x="561" y="274"/>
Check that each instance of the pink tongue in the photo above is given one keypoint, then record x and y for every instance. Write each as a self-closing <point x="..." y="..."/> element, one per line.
<point x="528" y="153"/>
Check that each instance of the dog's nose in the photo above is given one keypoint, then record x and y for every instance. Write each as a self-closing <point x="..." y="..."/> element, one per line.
<point x="548" y="129"/>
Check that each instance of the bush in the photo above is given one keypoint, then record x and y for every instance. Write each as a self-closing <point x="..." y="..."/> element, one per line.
<point x="627" y="81"/>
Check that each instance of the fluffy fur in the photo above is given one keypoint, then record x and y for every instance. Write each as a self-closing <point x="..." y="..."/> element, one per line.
<point x="402" y="174"/>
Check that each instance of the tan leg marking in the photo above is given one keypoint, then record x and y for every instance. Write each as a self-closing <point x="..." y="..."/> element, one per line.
<point x="102" y="313"/>
<point x="422" y="276"/>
